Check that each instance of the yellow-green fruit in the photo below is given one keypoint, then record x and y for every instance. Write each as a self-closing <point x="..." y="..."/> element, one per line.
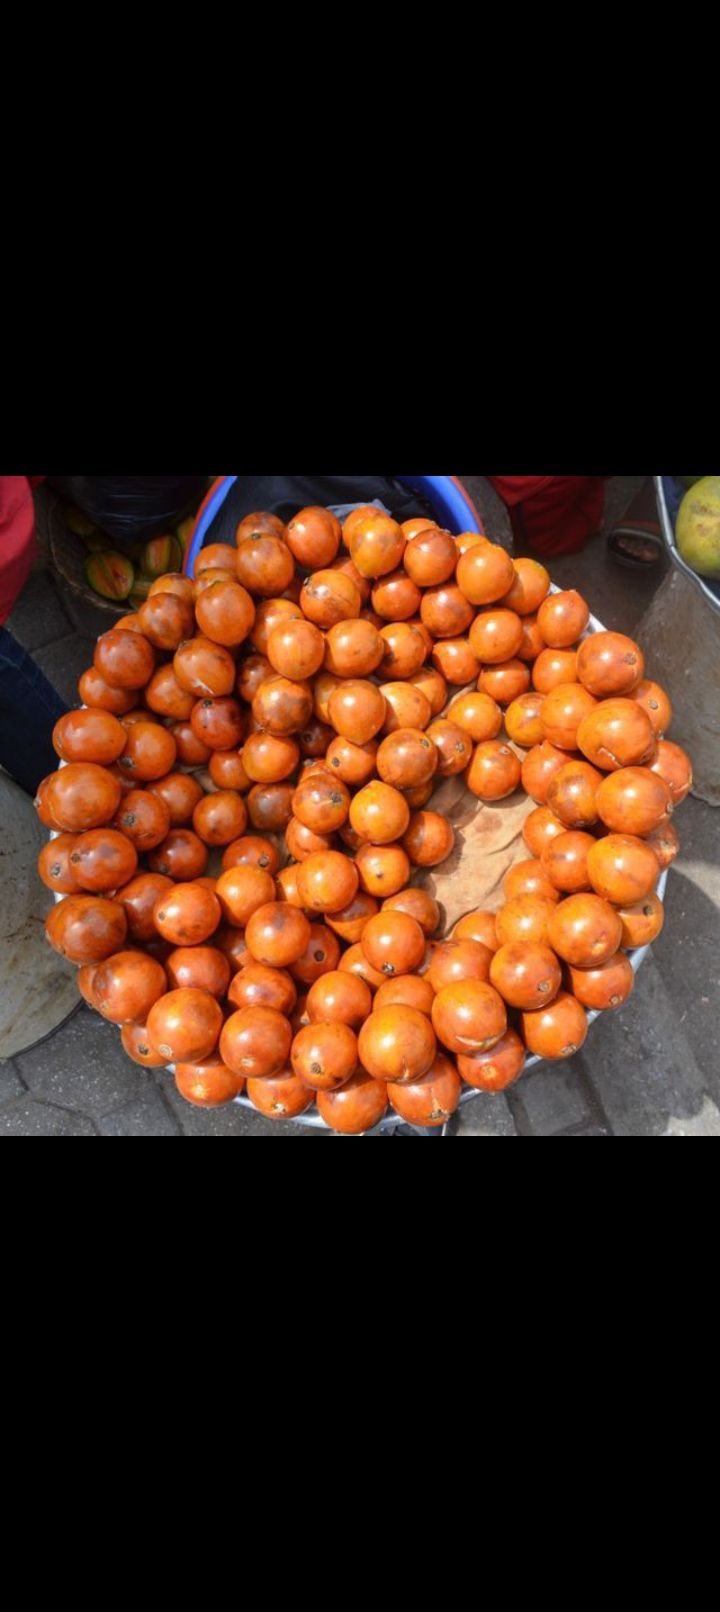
<point x="111" y="575"/>
<point x="77" y="522"/>
<point x="184" y="532"/>
<point x="698" y="527"/>
<point x="160" y="555"/>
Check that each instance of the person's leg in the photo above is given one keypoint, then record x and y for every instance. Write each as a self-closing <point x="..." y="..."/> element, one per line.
<point x="29" y="709"/>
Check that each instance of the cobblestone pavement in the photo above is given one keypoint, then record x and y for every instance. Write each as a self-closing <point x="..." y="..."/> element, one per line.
<point x="649" y="1070"/>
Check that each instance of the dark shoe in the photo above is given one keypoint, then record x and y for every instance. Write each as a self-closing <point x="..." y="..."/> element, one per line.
<point x="636" y="544"/>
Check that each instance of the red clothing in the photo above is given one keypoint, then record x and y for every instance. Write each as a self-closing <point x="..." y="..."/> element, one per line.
<point x="552" y="514"/>
<point x="17" y="538"/>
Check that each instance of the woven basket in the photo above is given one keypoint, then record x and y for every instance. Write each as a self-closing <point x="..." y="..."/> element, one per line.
<point x="68" y="553"/>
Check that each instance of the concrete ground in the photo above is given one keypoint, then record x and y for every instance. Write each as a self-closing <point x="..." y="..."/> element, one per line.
<point x="648" y="1070"/>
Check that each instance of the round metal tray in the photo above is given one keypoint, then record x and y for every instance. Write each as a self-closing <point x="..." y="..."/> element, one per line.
<point x="392" y="1122"/>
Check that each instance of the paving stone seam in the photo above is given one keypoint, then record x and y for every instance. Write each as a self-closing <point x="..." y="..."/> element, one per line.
<point x="59" y="1108"/>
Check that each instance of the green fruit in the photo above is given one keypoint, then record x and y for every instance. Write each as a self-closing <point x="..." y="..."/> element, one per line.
<point x="110" y="574"/>
<point x="77" y="522"/>
<point x="140" y="589"/>
<point x="184" y="532"/>
<point x="688" y="481"/>
<point x="160" y="555"/>
<point x="698" y="527"/>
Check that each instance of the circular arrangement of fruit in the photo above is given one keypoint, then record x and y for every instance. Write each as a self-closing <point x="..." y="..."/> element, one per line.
<point x="293" y="709"/>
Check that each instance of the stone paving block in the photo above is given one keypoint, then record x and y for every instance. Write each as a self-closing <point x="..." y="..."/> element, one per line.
<point x="83" y="1067"/>
<point x="28" y="1118"/>
<point x="641" y="1065"/>
<point x="38" y="617"/>
<point x="486" y="1115"/>
<point x="552" y="1098"/>
<point x="148" y="1115"/>
<point x="63" y="662"/>
<point x="10" y="1083"/>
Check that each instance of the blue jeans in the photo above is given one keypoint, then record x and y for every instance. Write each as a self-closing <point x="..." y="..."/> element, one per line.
<point x="29" y="709"/>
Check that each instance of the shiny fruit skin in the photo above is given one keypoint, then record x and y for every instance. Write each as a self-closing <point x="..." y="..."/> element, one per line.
<point x="617" y="734"/>
<point x="485" y="574"/>
<point x="480" y="926"/>
<point x="329" y="597"/>
<point x="469" y="1016"/>
<point x="350" y="922"/>
<point x="357" y="1107"/>
<point x="187" y="915"/>
<point x="82" y="796"/>
<point x="623" y="869"/>
<point x="530" y="588"/>
<point x="408" y="990"/>
<point x="321" y="802"/>
<point x="497" y="1068"/>
<point x="181" y="857"/>
<point x="296" y="650"/>
<point x="100" y="695"/>
<point x="610" y="663"/>
<point x="199" y="968"/>
<point x="254" y="985"/>
<point x="454" y="747"/>
<point x="525" y="920"/>
<point x="634" y="800"/>
<point x="103" y="860"/>
<point x="137" y="1045"/>
<point x="383" y="870"/>
<point x="539" y="768"/>
<point x="573" y="794"/>
<point x="564" y="861"/>
<point x="430" y="1101"/>
<point x="494" y="772"/>
<point x="321" y="956"/>
<point x="393" y="942"/>
<point x="665" y="844"/>
<point x="125" y="660"/>
<point x="477" y="715"/>
<point x="565" y="709"/>
<point x="420" y="905"/>
<point x="604" y="987"/>
<point x="540" y="828"/>
<point x="557" y="1031"/>
<point x="429" y="839"/>
<point x="282" y="707"/>
<point x="642" y="922"/>
<point x="220" y="818"/>
<point x="327" y="882"/>
<point x="264" y="566"/>
<point x="325" y="1055"/>
<point x="379" y="814"/>
<point x="204" y="668"/>
<point x="281" y="1097"/>
<point x="407" y="759"/>
<point x="430" y="557"/>
<point x="218" y="724"/>
<point x="354" y="961"/>
<point x="207" y="1083"/>
<point x="255" y="1042"/>
<point x="553" y="667"/>
<point x="339" y="998"/>
<point x="585" y="930"/>
<point x="528" y="878"/>
<point x="126" y="986"/>
<point x="357" y="710"/>
<point x="277" y="935"/>
<point x="150" y="752"/>
<point x="86" y="929"/>
<point x="92" y="735"/>
<point x="505" y="683"/>
<point x="525" y="974"/>
<point x="353" y="649"/>
<point x="55" y="868"/>
<point x="376" y="543"/>
<point x="523" y="722"/>
<point x="180" y="794"/>
<point x="673" y="765"/>
<point x="656" y="704"/>
<point x="313" y="537"/>
<point x="458" y="960"/>
<point x="496" y="636"/>
<point x="397" y="1043"/>
<point x="241" y="890"/>
<point x="144" y="819"/>
<point x="562" y="619"/>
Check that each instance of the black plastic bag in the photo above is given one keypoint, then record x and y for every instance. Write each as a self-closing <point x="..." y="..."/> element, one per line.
<point x="285" y="495"/>
<point x="132" y="507"/>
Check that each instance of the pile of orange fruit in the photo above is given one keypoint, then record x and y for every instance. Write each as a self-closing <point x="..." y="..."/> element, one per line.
<point x="290" y="711"/>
